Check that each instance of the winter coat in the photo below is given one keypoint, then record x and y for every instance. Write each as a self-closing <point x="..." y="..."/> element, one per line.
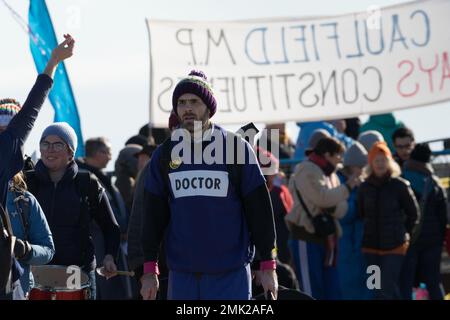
<point x="69" y="225"/>
<point x="351" y="263"/>
<point x="38" y="235"/>
<point x="319" y="193"/>
<point x="389" y="209"/>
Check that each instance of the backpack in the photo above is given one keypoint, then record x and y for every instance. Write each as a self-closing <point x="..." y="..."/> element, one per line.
<point x="85" y="185"/>
<point x="234" y="170"/>
<point x="6" y="250"/>
<point x="22" y="203"/>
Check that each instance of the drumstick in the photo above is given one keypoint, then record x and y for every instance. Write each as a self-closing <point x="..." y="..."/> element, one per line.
<point x="125" y="273"/>
<point x="101" y="271"/>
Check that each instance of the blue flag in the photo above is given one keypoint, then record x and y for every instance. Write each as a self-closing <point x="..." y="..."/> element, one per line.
<point x="42" y="42"/>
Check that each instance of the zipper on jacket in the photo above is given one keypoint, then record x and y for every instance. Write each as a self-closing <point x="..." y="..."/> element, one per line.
<point x="377" y="217"/>
<point x="52" y="207"/>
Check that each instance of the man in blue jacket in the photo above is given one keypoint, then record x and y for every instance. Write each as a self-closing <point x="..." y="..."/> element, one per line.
<point x="15" y="126"/>
<point x="212" y="214"/>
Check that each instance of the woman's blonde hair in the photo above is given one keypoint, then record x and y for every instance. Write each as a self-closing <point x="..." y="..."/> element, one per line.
<point x="393" y="169"/>
<point x="19" y="182"/>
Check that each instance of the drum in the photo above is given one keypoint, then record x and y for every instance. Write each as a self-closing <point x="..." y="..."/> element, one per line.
<point x="53" y="282"/>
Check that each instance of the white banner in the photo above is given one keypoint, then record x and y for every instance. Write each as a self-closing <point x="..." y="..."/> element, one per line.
<point x="304" y="69"/>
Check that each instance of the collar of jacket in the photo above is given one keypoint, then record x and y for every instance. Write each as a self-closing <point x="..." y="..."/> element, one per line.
<point x="322" y="163"/>
<point x="69" y="174"/>
<point x="414" y="165"/>
<point x="378" y="181"/>
<point x="100" y="174"/>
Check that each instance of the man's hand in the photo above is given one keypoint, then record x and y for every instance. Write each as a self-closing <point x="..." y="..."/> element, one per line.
<point x="149" y="286"/>
<point x="63" y="51"/>
<point x="110" y="268"/>
<point x="269" y="281"/>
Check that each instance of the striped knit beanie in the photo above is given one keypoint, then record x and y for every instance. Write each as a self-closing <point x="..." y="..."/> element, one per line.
<point x="196" y="83"/>
<point x="8" y="109"/>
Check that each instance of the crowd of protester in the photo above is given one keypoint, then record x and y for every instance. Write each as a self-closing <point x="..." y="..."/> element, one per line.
<point x="360" y="195"/>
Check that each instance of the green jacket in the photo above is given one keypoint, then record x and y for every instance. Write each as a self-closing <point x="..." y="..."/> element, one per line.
<point x="386" y="124"/>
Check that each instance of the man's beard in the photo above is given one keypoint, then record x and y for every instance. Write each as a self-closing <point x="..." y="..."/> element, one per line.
<point x="191" y="125"/>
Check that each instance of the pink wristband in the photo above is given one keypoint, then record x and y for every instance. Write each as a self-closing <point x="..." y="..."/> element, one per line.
<point x="268" y="265"/>
<point x="151" y="267"/>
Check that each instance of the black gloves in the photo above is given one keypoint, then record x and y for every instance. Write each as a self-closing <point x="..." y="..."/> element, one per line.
<point x="22" y="249"/>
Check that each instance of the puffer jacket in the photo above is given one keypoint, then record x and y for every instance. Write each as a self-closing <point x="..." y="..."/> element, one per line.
<point x="389" y="209"/>
<point x="319" y="192"/>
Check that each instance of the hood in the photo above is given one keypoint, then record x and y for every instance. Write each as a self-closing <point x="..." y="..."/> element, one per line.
<point x="100" y="174"/>
<point x="82" y="164"/>
<point x="423" y="168"/>
<point x="386" y="120"/>
<point x="126" y="162"/>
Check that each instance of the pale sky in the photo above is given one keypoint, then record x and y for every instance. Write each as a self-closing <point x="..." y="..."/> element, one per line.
<point x="110" y="68"/>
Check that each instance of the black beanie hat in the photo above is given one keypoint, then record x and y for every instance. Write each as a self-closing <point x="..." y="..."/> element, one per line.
<point x="421" y="152"/>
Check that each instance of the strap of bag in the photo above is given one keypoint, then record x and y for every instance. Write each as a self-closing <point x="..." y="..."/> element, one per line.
<point x="303" y="203"/>
<point x="24" y="211"/>
<point x="6" y="246"/>
<point x="82" y="184"/>
<point x="235" y="169"/>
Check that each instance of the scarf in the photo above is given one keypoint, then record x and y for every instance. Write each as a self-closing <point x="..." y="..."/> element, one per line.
<point x="323" y="164"/>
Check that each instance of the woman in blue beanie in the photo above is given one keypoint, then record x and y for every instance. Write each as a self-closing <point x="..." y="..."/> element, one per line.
<point x="58" y="185"/>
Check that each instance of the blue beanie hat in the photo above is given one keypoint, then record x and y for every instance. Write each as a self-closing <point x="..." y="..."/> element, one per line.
<point x="64" y="131"/>
<point x="196" y="83"/>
